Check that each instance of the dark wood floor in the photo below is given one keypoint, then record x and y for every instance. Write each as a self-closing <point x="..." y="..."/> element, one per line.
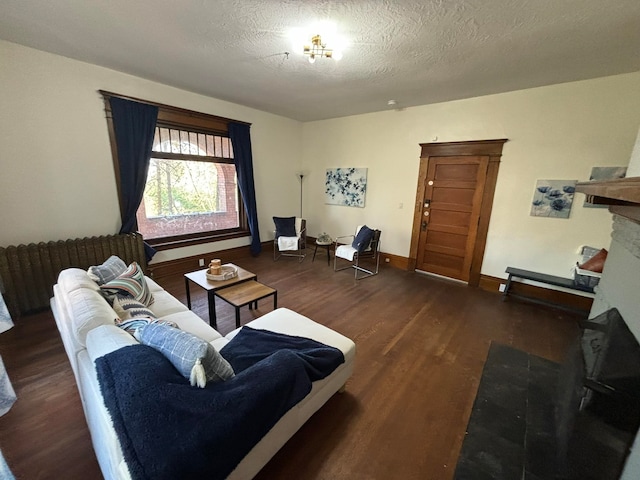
<point x="421" y="344"/>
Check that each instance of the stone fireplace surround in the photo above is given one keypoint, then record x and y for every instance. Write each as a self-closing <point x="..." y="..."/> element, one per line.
<point x="619" y="288"/>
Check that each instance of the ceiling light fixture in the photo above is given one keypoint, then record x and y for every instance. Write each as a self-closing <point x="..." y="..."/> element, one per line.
<point x="319" y="49"/>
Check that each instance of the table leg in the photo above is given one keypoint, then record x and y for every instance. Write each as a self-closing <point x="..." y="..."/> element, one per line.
<point x="237" y="317"/>
<point x="212" y="309"/>
<point x="275" y="299"/>
<point x="329" y="255"/>
<point x="314" y="254"/>
<point x="186" y="287"/>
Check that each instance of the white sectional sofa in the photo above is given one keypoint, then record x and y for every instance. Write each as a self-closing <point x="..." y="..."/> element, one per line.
<point x="86" y="324"/>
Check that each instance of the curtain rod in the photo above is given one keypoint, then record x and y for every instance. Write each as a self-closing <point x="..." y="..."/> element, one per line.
<point x="107" y="94"/>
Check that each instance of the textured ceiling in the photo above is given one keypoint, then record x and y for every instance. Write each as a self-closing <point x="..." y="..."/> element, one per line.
<point x="413" y="52"/>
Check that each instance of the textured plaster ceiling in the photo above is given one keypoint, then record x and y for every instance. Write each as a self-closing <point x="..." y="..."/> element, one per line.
<point x="413" y="52"/>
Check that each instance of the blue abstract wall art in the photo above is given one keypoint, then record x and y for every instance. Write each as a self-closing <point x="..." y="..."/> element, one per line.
<point x="346" y="186"/>
<point x="553" y="198"/>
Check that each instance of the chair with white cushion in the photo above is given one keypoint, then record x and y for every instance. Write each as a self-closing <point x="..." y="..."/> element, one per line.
<point x="354" y="249"/>
<point x="290" y="238"/>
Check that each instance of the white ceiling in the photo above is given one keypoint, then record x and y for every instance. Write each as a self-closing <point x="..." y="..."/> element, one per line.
<point x="413" y="52"/>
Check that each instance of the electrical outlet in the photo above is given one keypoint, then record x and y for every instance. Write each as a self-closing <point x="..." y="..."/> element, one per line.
<point x="502" y="287"/>
<point x="201" y="262"/>
<point x="387" y="260"/>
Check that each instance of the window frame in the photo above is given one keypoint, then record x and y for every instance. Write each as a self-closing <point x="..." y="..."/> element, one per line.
<point x="179" y="118"/>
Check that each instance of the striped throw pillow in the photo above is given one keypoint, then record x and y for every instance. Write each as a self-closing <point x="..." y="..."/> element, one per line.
<point x="130" y="283"/>
<point x="128" y="308"/>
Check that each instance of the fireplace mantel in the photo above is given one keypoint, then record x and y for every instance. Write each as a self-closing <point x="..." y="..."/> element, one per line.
<point x="622" y="195"/>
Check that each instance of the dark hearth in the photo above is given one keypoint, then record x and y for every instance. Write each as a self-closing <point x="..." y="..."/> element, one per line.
<point x="511" y="434"/>
<point x="534" y="419"/>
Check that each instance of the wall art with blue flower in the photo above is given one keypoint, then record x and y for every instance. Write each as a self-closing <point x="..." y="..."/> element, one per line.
<point x="553" y="198"/>
<point x="346" y="186"/>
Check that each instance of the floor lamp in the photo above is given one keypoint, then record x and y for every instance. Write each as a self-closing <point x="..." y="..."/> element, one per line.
<point x="301" y="175"/>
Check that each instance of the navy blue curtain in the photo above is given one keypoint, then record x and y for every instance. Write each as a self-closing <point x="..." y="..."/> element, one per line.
<point x="134" y="125"/>
<point x="241" y="141"/>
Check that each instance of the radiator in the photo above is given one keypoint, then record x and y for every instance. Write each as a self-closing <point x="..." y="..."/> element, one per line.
<point x="29" y="272"/>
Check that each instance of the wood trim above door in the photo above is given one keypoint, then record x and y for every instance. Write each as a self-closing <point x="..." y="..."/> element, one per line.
<point x="489" y="148"/>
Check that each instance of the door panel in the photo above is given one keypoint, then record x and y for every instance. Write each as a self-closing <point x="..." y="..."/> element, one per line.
<point x="455" y="172"/>
<point x="454" y="197"/>
<point x="450" y="213"/>
<point x="443" y="264"/>
<point x="447" y="240"/>
<point x="444" y="218"/>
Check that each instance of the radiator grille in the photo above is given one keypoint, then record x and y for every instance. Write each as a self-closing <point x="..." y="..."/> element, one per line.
<point x="29" y="272"/>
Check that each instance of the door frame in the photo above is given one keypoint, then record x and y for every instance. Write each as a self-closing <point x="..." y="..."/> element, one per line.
<point x="489" y="148"/>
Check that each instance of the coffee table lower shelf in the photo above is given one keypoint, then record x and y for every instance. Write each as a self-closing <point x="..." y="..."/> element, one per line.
<point x="247" y="293"/>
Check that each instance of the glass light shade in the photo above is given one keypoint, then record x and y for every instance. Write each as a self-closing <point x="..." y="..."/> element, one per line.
<point x="312" y="59"/>
<point x="337" y="55"/>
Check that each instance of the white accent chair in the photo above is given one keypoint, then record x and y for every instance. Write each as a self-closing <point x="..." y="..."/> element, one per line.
<point x="346" y="252"/>
<point x="286" y="245"/>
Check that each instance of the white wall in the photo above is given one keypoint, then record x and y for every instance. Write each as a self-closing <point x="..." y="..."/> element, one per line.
<point x="56" y="171"/>
<point x="555" y="132"/>
<point x="57" y="180"/>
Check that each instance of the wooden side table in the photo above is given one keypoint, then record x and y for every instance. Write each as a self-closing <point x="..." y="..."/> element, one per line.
<point x="247" y="293"/>
<point x="326" y="245"/>
<point x="200" y="278"/>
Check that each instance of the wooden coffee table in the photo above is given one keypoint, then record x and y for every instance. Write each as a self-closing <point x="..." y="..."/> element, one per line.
<point x="211" y="286"/>
<point x="247" y="293"/>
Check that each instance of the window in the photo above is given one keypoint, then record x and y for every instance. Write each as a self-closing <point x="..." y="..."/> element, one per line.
<point x="191" y="187"/>
<point x="191" y="194"/>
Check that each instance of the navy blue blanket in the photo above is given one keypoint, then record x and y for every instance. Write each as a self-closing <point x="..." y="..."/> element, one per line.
<point x="168" y="429"/>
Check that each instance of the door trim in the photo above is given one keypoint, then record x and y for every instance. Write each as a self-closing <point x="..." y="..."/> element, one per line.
<point x="490" y="148"/>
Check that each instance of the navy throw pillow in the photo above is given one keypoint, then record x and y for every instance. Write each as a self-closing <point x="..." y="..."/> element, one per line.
<point x="285" y="226"/>
<point x="363" y="239"/>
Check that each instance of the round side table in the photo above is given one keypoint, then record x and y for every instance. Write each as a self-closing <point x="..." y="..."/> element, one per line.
<point x="326" y="245"/>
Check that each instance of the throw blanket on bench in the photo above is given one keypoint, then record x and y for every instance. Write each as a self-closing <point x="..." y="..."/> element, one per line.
<point x="168" y="429"/>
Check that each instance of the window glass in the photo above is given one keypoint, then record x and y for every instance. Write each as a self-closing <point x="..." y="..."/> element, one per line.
<point x="191" y="186"/>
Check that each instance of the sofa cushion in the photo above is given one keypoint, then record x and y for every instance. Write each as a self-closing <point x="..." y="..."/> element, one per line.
<point x="283" y="320"/>
<point x="106" y="339"/>
<point x="131" y="282"/>
<point x="165" y="304"/>
<point x="194" y="358"/>
<point x="88" y="310"/>
<point x="153" y="286"/>
<point x="111" y="269"/>
<point x="73" y="278"/>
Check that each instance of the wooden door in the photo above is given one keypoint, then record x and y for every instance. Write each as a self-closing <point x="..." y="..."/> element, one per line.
<point x="450" y="214"/>
<point x="453" y="207"/>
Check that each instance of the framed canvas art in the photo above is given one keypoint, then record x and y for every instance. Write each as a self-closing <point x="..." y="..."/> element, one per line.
<point x="346" y="186"/>
<point x="553" y="198"/>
